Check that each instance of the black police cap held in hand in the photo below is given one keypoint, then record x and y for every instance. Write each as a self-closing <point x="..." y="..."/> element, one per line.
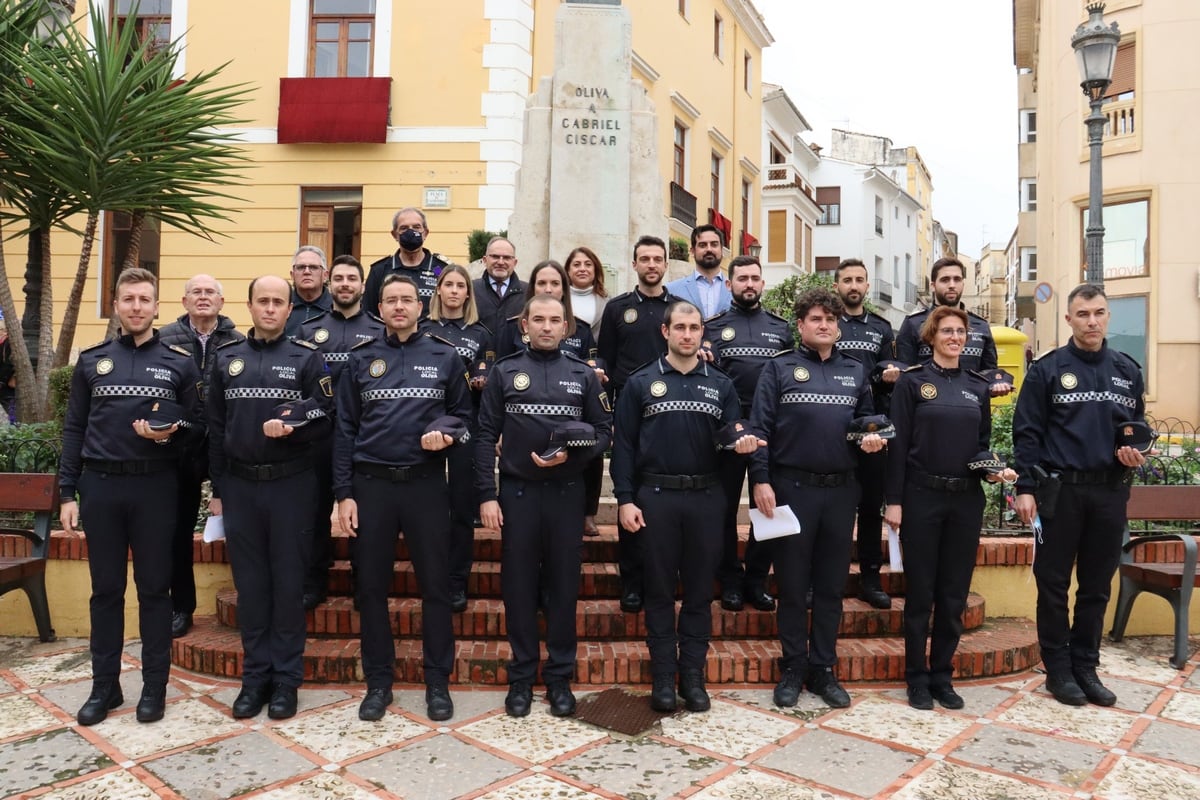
<point x="728" y="435"/>
<point x="878" y="424"/>
<point x="453" y="427"/>
<point x="164" y="414"/>
<point x="1137" y="435"/>
<point x="297" y="412"/>
<point x="987" y="463"/>
<point x="570" y="434"/>
<point x="999" y="376"/>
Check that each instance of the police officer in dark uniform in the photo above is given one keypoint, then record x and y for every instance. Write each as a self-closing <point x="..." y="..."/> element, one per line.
<point x="741" y="340"/>
<point x="310" y="297"/>
<point x="454" y="318"/>
<point x="869" y="338"/>
<point x="630" y="337"/>
<point x="201" y="329"/>
<point x="804" y="404"/>
<point x="943" y="419"/>
<point x="410" y="230"/>
<point x="125" y="475"/>
<point x="265" y="485"/>
<point x="390" y="474"/>
<point x="665" y="469"/>
<point x="1070" y="403"/>
<point x="335" y="334"/>
<point x="540" y="506"/>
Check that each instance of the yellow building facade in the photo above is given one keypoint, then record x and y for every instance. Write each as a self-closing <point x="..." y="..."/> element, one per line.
<point x="362" y="107"/>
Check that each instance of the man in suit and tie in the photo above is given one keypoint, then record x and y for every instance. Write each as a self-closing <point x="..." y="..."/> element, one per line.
<point x="705" y="288"/>
<point x="499" y="294"/>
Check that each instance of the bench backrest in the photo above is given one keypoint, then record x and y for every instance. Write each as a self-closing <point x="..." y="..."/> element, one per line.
<point x="34" y="491"/>
<point x="1163" y="503"/>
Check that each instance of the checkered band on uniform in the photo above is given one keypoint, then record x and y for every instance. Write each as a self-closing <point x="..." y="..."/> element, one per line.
<point x="263" y="393"/>
<point x="1094" y="397"/>
<point x="694" y="406"/>
<point x="134" y="391"/>
<point x="465" y="352"/>
<point x="407" y="393"/>
<point x="748" y="352"/>
<point x="541" y="409"/>
<point x="972" y="351"/>
<point x="819" y="399"/>
<point x="315" y="413"/>
<point x="866" y="347"/>
<point x="331" y="357"/>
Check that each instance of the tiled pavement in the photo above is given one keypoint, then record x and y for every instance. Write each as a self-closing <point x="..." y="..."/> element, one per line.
<point x="1011" y="742"/>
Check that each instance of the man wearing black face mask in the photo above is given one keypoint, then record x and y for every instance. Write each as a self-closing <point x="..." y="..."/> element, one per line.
<point x="410" y="230"/>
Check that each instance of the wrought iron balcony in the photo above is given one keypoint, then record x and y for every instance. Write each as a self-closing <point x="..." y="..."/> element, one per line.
<point x="683" y="205"/>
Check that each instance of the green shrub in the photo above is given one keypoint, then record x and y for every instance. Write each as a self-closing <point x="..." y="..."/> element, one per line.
<point x="477" y="242"/>
<point x="30" y="447"/>
<point x="677" y="249"/>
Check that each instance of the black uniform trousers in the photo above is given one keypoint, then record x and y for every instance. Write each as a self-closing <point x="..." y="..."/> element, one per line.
<point x="124" y="513"/>
<point x="818" y="558"/>
<point x="316" y="579"/>
<point x="1086" y="533"/>
<point x="268" y="531"/>
<point x="187" y="507"/>
<point x="542" y="536"/>
<point x="871" y="473"/>
<point x="421" y="509"/>
<point x="464" y="505"/>
<point x="733" y="467"/>
<point x="940" y="533"/>
<point x="682" y="541"/>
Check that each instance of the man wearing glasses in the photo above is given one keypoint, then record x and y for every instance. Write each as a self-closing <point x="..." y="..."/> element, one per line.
<point x="201" y="329"/>
<point x="412" y="258"/>
<point x="499" y="294"/>
<point x="310" y="298"/>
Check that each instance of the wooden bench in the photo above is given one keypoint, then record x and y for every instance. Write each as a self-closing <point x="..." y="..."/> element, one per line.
<point x="37" y="493"/>
<point x="1171" y="580"/>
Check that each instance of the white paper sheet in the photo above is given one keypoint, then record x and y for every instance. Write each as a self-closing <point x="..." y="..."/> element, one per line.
<point x="895" y="561"/>
<point x="784" y="523"/>
<point x="214" y="529"/>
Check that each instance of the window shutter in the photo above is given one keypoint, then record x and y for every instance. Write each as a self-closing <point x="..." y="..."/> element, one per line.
<point x="1124" y="79"/>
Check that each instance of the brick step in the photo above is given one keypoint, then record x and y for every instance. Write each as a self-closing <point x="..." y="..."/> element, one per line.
<point x="597" y="580"/>
<point x="594" y="619"/>
<point x="999" y="647"/>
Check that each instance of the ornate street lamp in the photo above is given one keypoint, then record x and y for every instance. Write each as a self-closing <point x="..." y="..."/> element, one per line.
<point x="1096" y="51"/>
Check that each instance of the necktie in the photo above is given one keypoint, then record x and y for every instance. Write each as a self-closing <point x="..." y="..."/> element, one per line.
<point x="499" y="289"/>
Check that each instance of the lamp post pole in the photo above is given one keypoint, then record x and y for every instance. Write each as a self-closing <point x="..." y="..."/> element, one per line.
<point x="1094" y="242"/>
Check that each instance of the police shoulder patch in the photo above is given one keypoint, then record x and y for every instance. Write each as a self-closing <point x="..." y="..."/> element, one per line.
<point x="94" y="346"/>
<point x="437" y="338"/>
<point x="231" y="342"/>
<point x="181" y="350"/>
<point x="307" y="345"/>
<point x="357" y="345"/>
<point x="913" y="367"/>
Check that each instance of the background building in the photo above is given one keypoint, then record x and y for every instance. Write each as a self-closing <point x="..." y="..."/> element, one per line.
<point x="790" y="210"/>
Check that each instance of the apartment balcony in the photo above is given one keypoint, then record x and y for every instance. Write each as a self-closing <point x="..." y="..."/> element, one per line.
<point x="683" y="205"/>
<point x="333" y="110"/>
<point x="784" y="178"/>
<point x="910" y="294"/>
<point x="1121" y="122"/>
<point x="884" y="292"/>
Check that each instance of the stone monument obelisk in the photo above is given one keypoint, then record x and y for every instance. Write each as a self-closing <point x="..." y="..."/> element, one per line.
<point x="589" y="167"/>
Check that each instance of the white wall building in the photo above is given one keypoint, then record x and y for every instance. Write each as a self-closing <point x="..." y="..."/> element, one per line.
<point x="789" y="205"/>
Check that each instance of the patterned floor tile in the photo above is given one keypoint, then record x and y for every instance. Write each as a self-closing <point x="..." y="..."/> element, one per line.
<point x="69" y="666"/>
<point x="47" y="759"/>
<point x="536" y="738"/>
<point x="728" y="729"/>
<point x="228" y="768"/>
<point x="6" y="687"/>
<point x="70" y="696"/>
<point x="1184" y="707"/>
<point x="750" y="784"/>
<point x="1142" y="658"/>
<point x="448" y="768"/>
<point x="946" y="781"/>
<point x="186" y="722"/>
<point x="810" y="707"/>
<point x="1133" y="695"/>
<point x="1027" y="754"/>
<point x="876" y="718"/>
<point x="537" y="787"/>
<point x="1136" y="778"/>
<point x="1090" y="723"/>
<point x="642" y="768"/>
<point x="467" y="704"/>
<point x="115" y="785"/>
<point x="19" y="714"/>
<point x="322" y="786"/>
<point x="840" y="762"/>
<point x="337" y="734"/>
<point x="1171" y="742"/>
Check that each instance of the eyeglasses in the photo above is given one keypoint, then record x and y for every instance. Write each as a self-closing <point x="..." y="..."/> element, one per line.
<point x="952" y="331"/>
<point x="203" y="293"/>
<point x="307" y="267"/>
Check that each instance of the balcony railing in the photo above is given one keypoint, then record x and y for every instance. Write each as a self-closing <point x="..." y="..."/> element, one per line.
<point x="1121" y="123"/>
<point x="885" y="292"/>
<point x="910" y="294"/>
<point x="786" y="177"/>
<point x="683" y="205"/>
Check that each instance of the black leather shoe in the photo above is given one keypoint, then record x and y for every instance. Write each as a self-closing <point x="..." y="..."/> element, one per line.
<point x="691" y="689"/>
<point x="153" y="703"/>
<point x="313" y="599"/>
<point x="787" y="691"/>
<point x="1095" y="691"/>
<point x="662" y="696"/>
<point x="562" y="700"/>
<point x="250" y="701"/>
<point x="105" y="696"/>
<point x="374" y="704"/>
<point x="283" y="702"/>
<point x="458" y="601"/>
<point x="823" y="681"/>
<point x="181" y="623"/>
<point x="1065" y="690"/>
<point x="946" y="696"/>
<point x="758" y="597"/>
<point x="920" y="698"/>
<point x="519" y="699"/>
<point x="631" y="602"/>
<point x="731" y="600"/>
<point x="871" y="592"/>
<point x="438" y="705"/>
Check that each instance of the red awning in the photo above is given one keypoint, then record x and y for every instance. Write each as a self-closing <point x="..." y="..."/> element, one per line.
<point x="722" y="223"/>
<point x="333" y="110"/>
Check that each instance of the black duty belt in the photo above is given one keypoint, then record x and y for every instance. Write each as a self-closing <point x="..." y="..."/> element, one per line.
<point x="1097" y="477"/>
<point x="822" y="480"/>
<point x="680" y="481"/>
<point x="945" y="483"/>
<point x="268" y="472"/>
<point x="130" y="467"/>
<point x="394" y="474"/>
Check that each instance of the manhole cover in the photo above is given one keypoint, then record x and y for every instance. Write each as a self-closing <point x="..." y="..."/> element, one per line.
<point x="618" y="710"/>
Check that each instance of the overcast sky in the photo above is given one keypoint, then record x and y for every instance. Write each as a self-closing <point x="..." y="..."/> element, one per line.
<point x="937" y="74"/>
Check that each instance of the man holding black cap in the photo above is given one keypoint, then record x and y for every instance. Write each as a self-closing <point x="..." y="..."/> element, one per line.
<point x="402" y="401"/>
<point x="262" y="470"/>
<point x="1072" y="405"/>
